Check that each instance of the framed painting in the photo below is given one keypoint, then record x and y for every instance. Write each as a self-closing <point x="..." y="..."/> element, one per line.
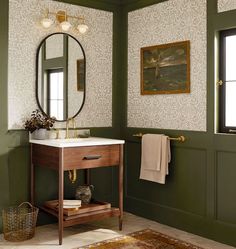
<point x="165" y="69"/>
<point x="80" y="75"/>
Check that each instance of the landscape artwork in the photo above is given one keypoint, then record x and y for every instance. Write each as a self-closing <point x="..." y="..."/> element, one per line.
<point x="165" y="69"/>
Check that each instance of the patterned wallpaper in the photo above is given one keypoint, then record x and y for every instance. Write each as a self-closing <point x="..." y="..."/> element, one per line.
<point x="25" y="34"/>
<point x="166" y="22"/>
<point x="225" y="5"/>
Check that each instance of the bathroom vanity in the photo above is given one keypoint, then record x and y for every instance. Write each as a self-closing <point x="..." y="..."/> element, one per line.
<point x="78" y="153"/>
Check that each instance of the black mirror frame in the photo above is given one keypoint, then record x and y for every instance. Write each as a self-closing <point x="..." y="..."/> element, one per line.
<point x="37" y="67"/>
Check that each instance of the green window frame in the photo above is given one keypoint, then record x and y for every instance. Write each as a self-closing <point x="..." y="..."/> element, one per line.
<point x="227" y="83"/>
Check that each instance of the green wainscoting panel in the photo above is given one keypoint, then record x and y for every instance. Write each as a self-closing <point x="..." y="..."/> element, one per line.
<point x="226" y="185"/>
<point x="166" y="215"/>
<point x="19" y="174"/>
<point x="188" y="180"/>
<point x="189" y="222"/>
<point x="4" y="184"/>
<point x="185" y="187"/>
<point x="46" y="184"/>
<point x="103" y="186"/>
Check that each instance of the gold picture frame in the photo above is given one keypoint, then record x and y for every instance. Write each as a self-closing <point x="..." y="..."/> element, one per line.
<point x="165" y="69"/>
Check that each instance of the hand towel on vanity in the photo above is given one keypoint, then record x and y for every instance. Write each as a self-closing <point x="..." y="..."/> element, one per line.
<point x="155" y="157"/>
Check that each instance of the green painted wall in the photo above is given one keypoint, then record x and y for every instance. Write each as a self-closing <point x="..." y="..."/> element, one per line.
<point x="199" y="196"/>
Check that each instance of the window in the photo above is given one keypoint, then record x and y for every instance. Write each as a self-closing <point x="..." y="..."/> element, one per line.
<point x="56" y="94"/>
<point x="228" y="77"/>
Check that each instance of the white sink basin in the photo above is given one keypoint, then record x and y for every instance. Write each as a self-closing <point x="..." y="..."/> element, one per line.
<point x="77" y="142"/>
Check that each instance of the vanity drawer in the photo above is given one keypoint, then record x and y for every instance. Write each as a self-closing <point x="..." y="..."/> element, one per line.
<point x="91" y="156"/>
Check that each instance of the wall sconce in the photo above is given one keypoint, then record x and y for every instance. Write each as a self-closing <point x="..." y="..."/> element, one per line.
<point x="61" y="18"/>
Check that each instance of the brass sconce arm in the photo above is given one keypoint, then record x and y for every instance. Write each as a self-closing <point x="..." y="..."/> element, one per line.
<point x="62" y="18"/>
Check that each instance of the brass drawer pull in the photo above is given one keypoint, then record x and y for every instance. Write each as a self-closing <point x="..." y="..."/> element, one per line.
<point x="92" y="157"/>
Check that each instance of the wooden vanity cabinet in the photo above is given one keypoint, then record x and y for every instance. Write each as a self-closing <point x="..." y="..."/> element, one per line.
<point x="69" y="158"/>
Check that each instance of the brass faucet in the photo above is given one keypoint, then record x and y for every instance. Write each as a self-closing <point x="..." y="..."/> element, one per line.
<point x="57" y="133"/>
<point x="67" y="127"/>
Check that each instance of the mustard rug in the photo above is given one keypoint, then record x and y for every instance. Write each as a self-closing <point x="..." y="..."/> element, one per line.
<point x="145" y="239"/>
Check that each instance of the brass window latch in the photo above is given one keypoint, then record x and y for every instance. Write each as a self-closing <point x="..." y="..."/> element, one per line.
<point x="220" y="82"/>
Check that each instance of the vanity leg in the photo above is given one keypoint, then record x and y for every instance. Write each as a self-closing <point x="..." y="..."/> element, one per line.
<point x="121" y="171"/>
<point x="60" y="195"/>
<point x="32" y="177"/>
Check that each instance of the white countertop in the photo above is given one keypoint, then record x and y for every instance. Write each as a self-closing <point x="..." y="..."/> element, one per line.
<point x="77" y="142"/>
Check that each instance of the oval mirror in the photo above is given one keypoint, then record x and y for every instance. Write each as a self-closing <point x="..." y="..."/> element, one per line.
<point x="60" y="78"/>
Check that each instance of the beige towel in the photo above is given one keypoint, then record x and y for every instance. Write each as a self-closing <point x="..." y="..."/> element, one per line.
<point x="151" y="151"/>
<point x="155" y="158"/>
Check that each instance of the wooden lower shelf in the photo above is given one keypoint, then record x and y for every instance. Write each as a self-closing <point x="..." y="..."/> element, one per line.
<point x="94" y="205"/>
<point x="84" y="217"/>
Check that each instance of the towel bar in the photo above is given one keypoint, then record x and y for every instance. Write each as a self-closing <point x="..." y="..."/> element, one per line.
<point x="180" y="138"/>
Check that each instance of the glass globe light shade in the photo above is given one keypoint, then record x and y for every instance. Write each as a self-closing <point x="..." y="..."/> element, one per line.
<point x="83" y="28"/>
<point x="65" y="26"/>
<point x="46" y="23"/>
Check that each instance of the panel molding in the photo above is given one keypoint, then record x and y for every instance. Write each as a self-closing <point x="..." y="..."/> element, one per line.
<point x="162" y="206"/>
<point x="226" y="182"/>
<point x="194" y="139"/>
<point x="185" y="221"/>
<point x="201" y="209"/>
